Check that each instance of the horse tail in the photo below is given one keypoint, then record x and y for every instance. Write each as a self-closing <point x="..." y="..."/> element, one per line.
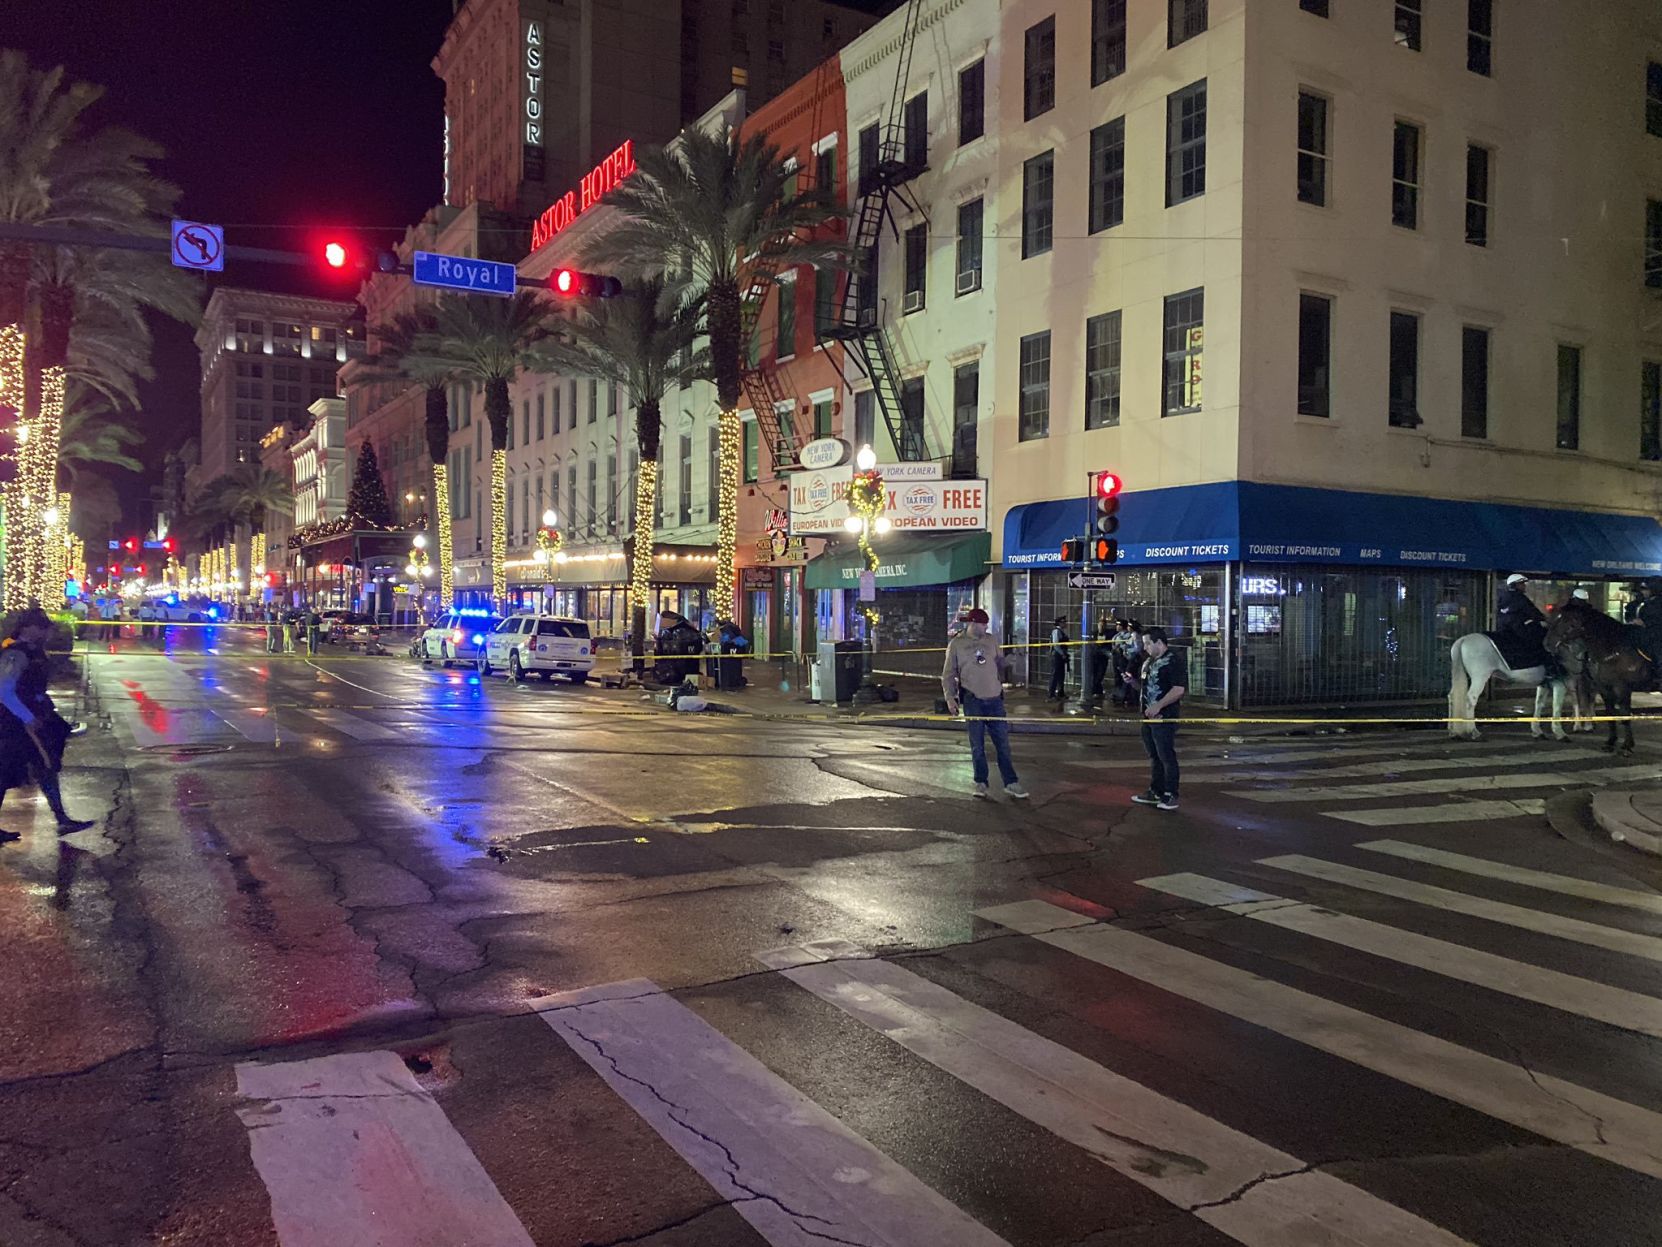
<point x="1460" y="683"/>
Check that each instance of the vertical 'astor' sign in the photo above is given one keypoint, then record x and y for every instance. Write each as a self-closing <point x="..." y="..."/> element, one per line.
<point x="533" y="84"/>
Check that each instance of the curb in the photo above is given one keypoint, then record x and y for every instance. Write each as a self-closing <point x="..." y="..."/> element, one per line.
<point x="1615" y="813"/>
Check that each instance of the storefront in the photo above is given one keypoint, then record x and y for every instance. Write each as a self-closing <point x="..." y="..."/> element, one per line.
<point x="922" y="584"/>
<point x="594" y="586"/>
<point x="1288" y="595"/>
<point x="356" y="570"/>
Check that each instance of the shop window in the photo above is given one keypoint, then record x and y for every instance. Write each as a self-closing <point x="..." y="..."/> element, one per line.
<point x="1184" y="340"/>
<point x="1186" y="143"/>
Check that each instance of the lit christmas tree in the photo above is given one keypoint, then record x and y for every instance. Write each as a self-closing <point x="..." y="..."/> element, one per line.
<point x="367" y="504"/>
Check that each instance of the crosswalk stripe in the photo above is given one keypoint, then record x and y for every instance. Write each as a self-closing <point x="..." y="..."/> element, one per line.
<point x="793" y="1171"/>
<point x="256" y="727"/>
<point x="351" y="725"/>
<point x="1182" y="1155"/>
<point x="1408" y="766"/>
<point x="1631" y="898"/>
<point x="1452" y="783"/>
<point x="1600" y="1125"/>
<point x="1565" y="992"/>
<point x="353" y="1151"/>
<point x="1630" y="942"/>
<point x="1244" y="755"/>
<point x="1453" y="812"/>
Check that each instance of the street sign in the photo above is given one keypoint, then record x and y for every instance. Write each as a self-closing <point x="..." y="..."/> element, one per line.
<point x="198" y="246"/>
<point x="456" y="272"/>
<point x="1090" y="580"/>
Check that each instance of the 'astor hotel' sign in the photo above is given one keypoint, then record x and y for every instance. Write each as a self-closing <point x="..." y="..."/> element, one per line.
<point x="596" y="183"/>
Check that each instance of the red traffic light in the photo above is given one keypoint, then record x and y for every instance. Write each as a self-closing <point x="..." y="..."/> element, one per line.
<point x="571" y="284"/>
<point x="167" y="544"/>
<point x="1073" y="550"/>
<point x="131" y="544"/>
<point x="335" y="254"/>
<point x="271" y="580"/>
<point x="1108" y="484"/>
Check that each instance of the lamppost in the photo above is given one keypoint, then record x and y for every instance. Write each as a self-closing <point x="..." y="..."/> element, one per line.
<point x="419" y="568"/>
<point x="549" y="540"/>
<point x="866" y="498"/>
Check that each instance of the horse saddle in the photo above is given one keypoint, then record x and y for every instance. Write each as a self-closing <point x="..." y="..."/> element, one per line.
<point x="1518" y="652"/>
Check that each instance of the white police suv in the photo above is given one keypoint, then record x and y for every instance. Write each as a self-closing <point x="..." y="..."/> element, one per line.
<point x="548" y="645"/>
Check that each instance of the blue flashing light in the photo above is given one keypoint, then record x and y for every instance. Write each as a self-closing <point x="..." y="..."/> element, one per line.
<point x="213" y="612"/>
<point x="474" y="614"/>
<point x="478" y="639"/>
<point x="173" y="599"/>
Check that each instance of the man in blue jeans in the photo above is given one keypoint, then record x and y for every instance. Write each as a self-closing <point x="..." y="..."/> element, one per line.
<point x="1164" y="681"/>
<point x="974" y="675"/>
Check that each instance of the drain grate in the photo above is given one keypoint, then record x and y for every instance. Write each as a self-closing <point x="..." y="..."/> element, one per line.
<point x="185" y="751"/>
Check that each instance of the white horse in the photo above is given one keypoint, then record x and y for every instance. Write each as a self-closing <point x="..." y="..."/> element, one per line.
<point x="1473" y="661"/>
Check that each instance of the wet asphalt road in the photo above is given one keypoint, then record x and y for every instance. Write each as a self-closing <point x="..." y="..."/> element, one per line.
<point x="366" y="952"/>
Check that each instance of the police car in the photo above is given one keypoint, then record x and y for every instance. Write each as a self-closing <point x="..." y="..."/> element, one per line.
<point x="457" y="636"/>
<point x="548" y="645"/>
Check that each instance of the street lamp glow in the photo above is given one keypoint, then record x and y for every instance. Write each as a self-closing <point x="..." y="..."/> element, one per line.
<point x="882" y="525"/>
<point x="854" y="523"/>
<point x="409" y="569"/>
<point x="866" y="459"/>
<point x="419" y="541"/>
<point x="549" y="518"/>
<point x="539" y="555"/>
<point x="560" y="556"/>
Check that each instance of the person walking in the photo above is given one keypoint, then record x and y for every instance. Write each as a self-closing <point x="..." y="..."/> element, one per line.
<point x="32" y="732"/>
<point x="314" y="631"/>
<point x="291" y="633"/>
<point x="1164" y="681"/>
<point x="974" y="677"/>
<point x="1058" y="659"/>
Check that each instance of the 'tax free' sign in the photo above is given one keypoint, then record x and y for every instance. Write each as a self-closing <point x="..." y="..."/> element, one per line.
<point x="819" y="504"/>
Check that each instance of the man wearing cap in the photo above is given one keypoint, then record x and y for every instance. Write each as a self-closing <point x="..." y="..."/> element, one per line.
<point x="974" y="675"/>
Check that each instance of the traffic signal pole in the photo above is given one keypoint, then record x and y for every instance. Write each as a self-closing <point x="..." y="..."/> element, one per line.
<point x="65" y="237"/>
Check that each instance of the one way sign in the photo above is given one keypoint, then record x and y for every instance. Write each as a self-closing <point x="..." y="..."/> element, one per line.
<point x="1090" y="580"/>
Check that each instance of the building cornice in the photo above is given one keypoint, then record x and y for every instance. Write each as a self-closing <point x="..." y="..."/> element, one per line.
<point x="881" y="53"/>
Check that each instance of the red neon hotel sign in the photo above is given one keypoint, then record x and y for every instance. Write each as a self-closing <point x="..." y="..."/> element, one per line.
<point x="596" y="183"/>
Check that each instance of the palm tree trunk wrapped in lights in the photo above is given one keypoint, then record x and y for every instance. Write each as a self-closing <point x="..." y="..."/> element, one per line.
<point x="499" y="524"/>
<point x="441" y="513"/>
<point x="731" y="452"/>
<point x="640" y="572"/>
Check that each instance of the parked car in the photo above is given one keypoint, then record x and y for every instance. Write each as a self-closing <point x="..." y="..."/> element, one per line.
<point x="457" y="636"/>
<point x="548" y="645"/>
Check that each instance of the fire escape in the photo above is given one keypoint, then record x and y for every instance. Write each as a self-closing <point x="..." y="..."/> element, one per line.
<point x="855" y="318"/>
<point x="761" y="384"/>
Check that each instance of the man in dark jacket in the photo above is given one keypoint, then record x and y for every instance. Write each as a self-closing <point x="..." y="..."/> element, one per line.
<point x="1521" y="625"/>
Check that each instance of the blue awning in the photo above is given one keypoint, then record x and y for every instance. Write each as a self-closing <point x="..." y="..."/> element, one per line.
<point x="1258" y="523"/>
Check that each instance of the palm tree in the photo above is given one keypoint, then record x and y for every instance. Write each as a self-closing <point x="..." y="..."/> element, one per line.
<point x="643" y="342"/>
<point x="92" y="433"/>
<point x="399" y="357"/>
<point x="250" y="494"/>
<point x="710" y="206"/>
<point x="487" y="342"/>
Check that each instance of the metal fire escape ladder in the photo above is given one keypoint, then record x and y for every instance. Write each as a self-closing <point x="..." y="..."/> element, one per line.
<point x="856" y="319"/>
<point x="761" y="384"/>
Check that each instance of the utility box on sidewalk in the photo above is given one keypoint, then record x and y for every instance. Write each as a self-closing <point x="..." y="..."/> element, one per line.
<point x="838" y="670"/>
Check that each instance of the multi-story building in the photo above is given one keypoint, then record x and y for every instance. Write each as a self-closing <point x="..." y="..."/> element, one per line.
<point x="265" y="357"/>
<point x="1359" y="300"/>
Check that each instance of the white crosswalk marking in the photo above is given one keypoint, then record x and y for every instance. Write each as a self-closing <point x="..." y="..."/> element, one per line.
<point x="1460" y="811"/>
<point x="1600" y="1125"/>
<point x="1566" y="992"/>
<point x="352" y="1151"/>
<point x="257" y="726"/>
<point x="1616" y="940"/>
<point x="1451" y="783"/>
<point x="1182" y="1155"/>
<point x="353" y="726"/>
<point x="793" y="1171"/>
<point x="1406" y="766"/>
<point x="1631" y="898"/>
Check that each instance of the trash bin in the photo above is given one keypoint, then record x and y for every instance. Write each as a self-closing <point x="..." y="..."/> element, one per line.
<point x="726" y="671"/>
<point x="839" y="667"/>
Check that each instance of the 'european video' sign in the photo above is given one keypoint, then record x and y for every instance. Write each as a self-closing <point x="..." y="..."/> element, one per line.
<point x="819" y="503"/>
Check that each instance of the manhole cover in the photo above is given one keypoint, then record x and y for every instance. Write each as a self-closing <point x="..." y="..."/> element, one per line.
<point x="185" y="751"/>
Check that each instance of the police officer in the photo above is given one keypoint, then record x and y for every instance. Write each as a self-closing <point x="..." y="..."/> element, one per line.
<point x="1520" y="619"/>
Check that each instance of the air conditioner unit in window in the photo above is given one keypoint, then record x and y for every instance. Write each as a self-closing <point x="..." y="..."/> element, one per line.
<point x="968" y="280"/>
<point x="913" y="302"/>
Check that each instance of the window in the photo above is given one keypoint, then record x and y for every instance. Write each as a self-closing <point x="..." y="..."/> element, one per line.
<point x="525" y="416"/>
<point x="824" y="415"/>
<point x="917" y="266"/>
<point x="1474" y="381"/>
<point x="866" y="286"/>
<point x="1569" y="397"/>
<point x="1318" y="7"/>
<point x="1653" y="98"/>
<point x="1035" y="386"/>
<point x="969" y="246"/>
<point x="571" y="496"/>
<point x="554" y="409"/>
<point x="785" y="343"/>
<point x="825" y="301"/>
<point x="591" y="520"/>
<point x="868" y="157"/>
<point x="1102" y="371"/>
<point x="911" y="419"/>
<point x="594" y="400"/>
<point x="1650" y="410"/>
<point x="1312" y="149"/>
<point x="1405" y="176"/>
<point x="1653" y="243"/>
<point x="917" y="131"/>
<point x="1186" y="143"/>
<point x="1107" y="40"/>
<point x="1404" y="395"/>
<point x="1039" y="69"/>
<point x="825" y="170"/>
<point x="1477" y="195"/>
<point x="752" y="452"/>
<point x="1038" y="186"/>
<point x="972" y="102"/>
<point x="541" y="423"/>
<point x="1107" y="194"/>
<point x="865" y="418"/>
<point x="685" y="491"/>
<point x="966" y="395"/>
<point x="1184" y="336"/>
<point x="1315" y="354"/>
<point x="1480" y="36"/>
<point x="1408" y="24"/>
<point x="1184" y="20"/>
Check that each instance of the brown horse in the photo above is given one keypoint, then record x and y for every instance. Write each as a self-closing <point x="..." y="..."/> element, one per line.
<point x="1590" y="643"/>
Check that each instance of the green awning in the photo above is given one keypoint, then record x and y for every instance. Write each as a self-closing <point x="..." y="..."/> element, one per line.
<point x="909" y="561"/>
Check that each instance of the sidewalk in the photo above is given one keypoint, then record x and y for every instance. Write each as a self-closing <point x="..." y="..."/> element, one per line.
<point x="1631" y="816"/>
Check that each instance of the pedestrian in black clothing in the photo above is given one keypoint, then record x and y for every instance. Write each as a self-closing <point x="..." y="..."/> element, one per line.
<point x="1058" y="659"/>
<point x="1164" y="681"/>
<point x="32" y="732"/>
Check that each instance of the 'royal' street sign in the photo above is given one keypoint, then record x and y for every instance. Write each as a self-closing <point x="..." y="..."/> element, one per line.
<point x="456" y="272"/>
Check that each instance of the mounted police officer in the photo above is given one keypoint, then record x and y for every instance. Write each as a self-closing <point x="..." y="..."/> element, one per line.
<point x="1520" y="627"/>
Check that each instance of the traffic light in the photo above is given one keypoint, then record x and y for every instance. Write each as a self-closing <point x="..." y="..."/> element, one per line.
<point x="1105" y="550"/>
<point x="571" y="284"/>
<point x="335" y="254"/>
<point x="131" y="545"/>
<point x="1105" y="488"/>
<point x="168" y="544"/>
<point x="1073" y="550"/>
